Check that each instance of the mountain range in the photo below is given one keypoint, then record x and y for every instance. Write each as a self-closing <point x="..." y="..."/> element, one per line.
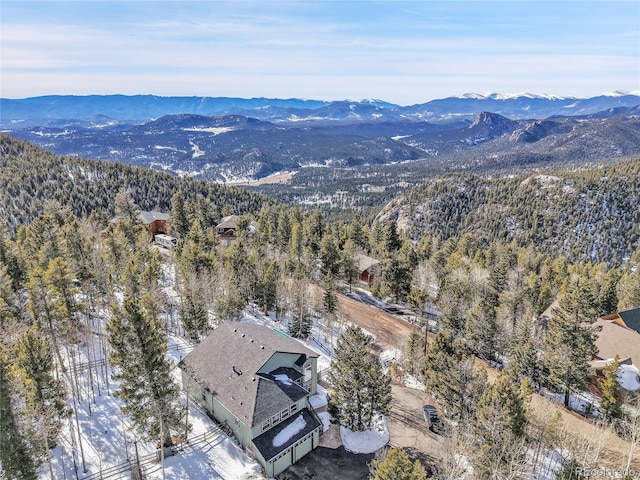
<point x="142" y="108"/>
<point x="264" y="136"/>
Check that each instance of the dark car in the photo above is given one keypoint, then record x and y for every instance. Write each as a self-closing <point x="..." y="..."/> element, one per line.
<point x="431" y="416"/>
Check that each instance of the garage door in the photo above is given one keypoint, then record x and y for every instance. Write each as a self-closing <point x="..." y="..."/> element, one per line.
<point x="283" y="462"/>
<point x="303" y="448"/>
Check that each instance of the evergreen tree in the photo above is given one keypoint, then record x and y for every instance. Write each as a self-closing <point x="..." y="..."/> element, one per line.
<point x="147" y="388"/>
<point x="193" y="311"/>
<point x="570" y="340"/>
<point x="348" y="264"/>
<point x="523" y="361"/>
<point x="126" y="208"/>
<point x="415" y="351"/>
<point x="16" y="461"/>
<point x="314" y="232"/>
<point x="329" y="257"/>
<point x="301" y="321"/>
<point x="450" y="375"/>
<point x="267" y="288"/>
<point x="179" y="220"/>
<point x="361" y="388"/>
<point x="499" y="429"/>
<point x="396" y="277"/>
<point x="397" y="465"/>
<point x="42" y="395"/>
<point x="611" y="401"/>
<point x="392" y="241"/>
<point x="330" y="298"/>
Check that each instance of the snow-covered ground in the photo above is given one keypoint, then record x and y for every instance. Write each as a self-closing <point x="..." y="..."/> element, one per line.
<point x="368" y="441"/>
<point x="103" y="444"/>
<point x="108" y="447"/>
<point x="583" y="402"/>
<point x="629" y="378"/>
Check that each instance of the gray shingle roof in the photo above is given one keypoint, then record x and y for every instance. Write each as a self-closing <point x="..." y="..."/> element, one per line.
<point x="264" y="442"/>
<point x="365" y="262"/>
<point x="226" y="363"/>
<point x="631" y="318"/>
<point x="150" y="217"/>
<point x="228" y="222"/>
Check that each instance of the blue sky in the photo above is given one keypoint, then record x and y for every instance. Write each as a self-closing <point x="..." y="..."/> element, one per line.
<point x="401" y="52"/>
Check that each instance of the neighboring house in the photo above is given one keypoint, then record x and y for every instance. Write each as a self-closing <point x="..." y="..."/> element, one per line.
<point x="616" y="339"/>
<point x="156" y="222"/>
<point x="368" y="269"/>
<point x="227" y="228"/>
<point x="256" y="382"/>
<point x="629" y="319"/>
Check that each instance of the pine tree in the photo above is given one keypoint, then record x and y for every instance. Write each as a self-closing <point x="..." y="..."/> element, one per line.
<point x="193" y="311"/>
<point x="329" y="256"/>
<point x="450" y="375"/>
<point x="330" y="298"/>
<point x="179" y="220"/>
<point x="348" y="265"/>
<point x="392" y="241"/>
<point x="499" y="429"/>
<point x="16" y="461"/>
<point x="361" y="388"/>
<point x="523" y="361"/>
<point x="147" y="388"/>
<point x="570" y="340"/>
<point x="42" y="395"/>
<point x="415" y="351"/>
<point x="397" y="465"/>
<point x="126" y="208"/>
<point x="611" y="401"/>
<point x="267" y="287"/>
<point x="301" y="321"/>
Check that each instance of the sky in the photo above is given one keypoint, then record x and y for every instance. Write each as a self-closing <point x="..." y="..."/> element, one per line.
<point x="403" y="52"/>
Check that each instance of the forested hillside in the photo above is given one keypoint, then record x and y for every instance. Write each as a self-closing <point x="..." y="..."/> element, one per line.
<point x="585" y="216"/>
<point x="31" y="175"/>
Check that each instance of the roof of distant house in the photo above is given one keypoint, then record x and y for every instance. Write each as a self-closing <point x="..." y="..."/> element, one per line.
<point x="227" y="361"/>
<point x="631" y="318"/>
<point x="228" y="222"/>
<point x="614" y="339"/>
<point x="365" y="262"/>
<point x="152" y="216"/>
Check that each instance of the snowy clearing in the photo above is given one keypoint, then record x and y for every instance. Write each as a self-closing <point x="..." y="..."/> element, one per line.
<point x="368" y="441"/>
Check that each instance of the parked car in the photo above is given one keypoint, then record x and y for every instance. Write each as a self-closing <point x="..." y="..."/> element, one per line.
<point x="431" y="417"/>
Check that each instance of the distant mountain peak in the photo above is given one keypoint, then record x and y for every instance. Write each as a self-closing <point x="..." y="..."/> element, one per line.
<point x="621" y="93"/>
<point x="510" y="96"/>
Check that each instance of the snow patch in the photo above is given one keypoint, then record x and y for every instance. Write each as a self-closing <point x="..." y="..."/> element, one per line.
<point x="628" y="378"/>
<point x="325" y="418"/>
<point x="368" y="441"/>
<point x="282" y="378"/>
<point x="319" y="400"/>
<point x="289" y="431"/>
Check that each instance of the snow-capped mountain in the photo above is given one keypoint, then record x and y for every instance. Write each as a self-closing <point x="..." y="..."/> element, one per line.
<point x="142" y="108"/>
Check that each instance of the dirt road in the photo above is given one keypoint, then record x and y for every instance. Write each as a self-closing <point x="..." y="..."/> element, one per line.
<point x="389" y="330"/>
<point x="405" y="421"/>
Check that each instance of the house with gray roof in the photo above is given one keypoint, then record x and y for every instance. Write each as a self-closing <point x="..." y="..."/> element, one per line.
<point x="156" y="222"/>
<point x="256" y="382"/>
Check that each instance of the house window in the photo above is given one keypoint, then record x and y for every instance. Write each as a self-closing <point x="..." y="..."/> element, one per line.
<point x="307" y="373"/>
<point x="204" y="395"/>
<point x="294" y="408"/>
<point x="275" y="419"/>
<point x="266" y="425"/>
<point x="284" y="414"/>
